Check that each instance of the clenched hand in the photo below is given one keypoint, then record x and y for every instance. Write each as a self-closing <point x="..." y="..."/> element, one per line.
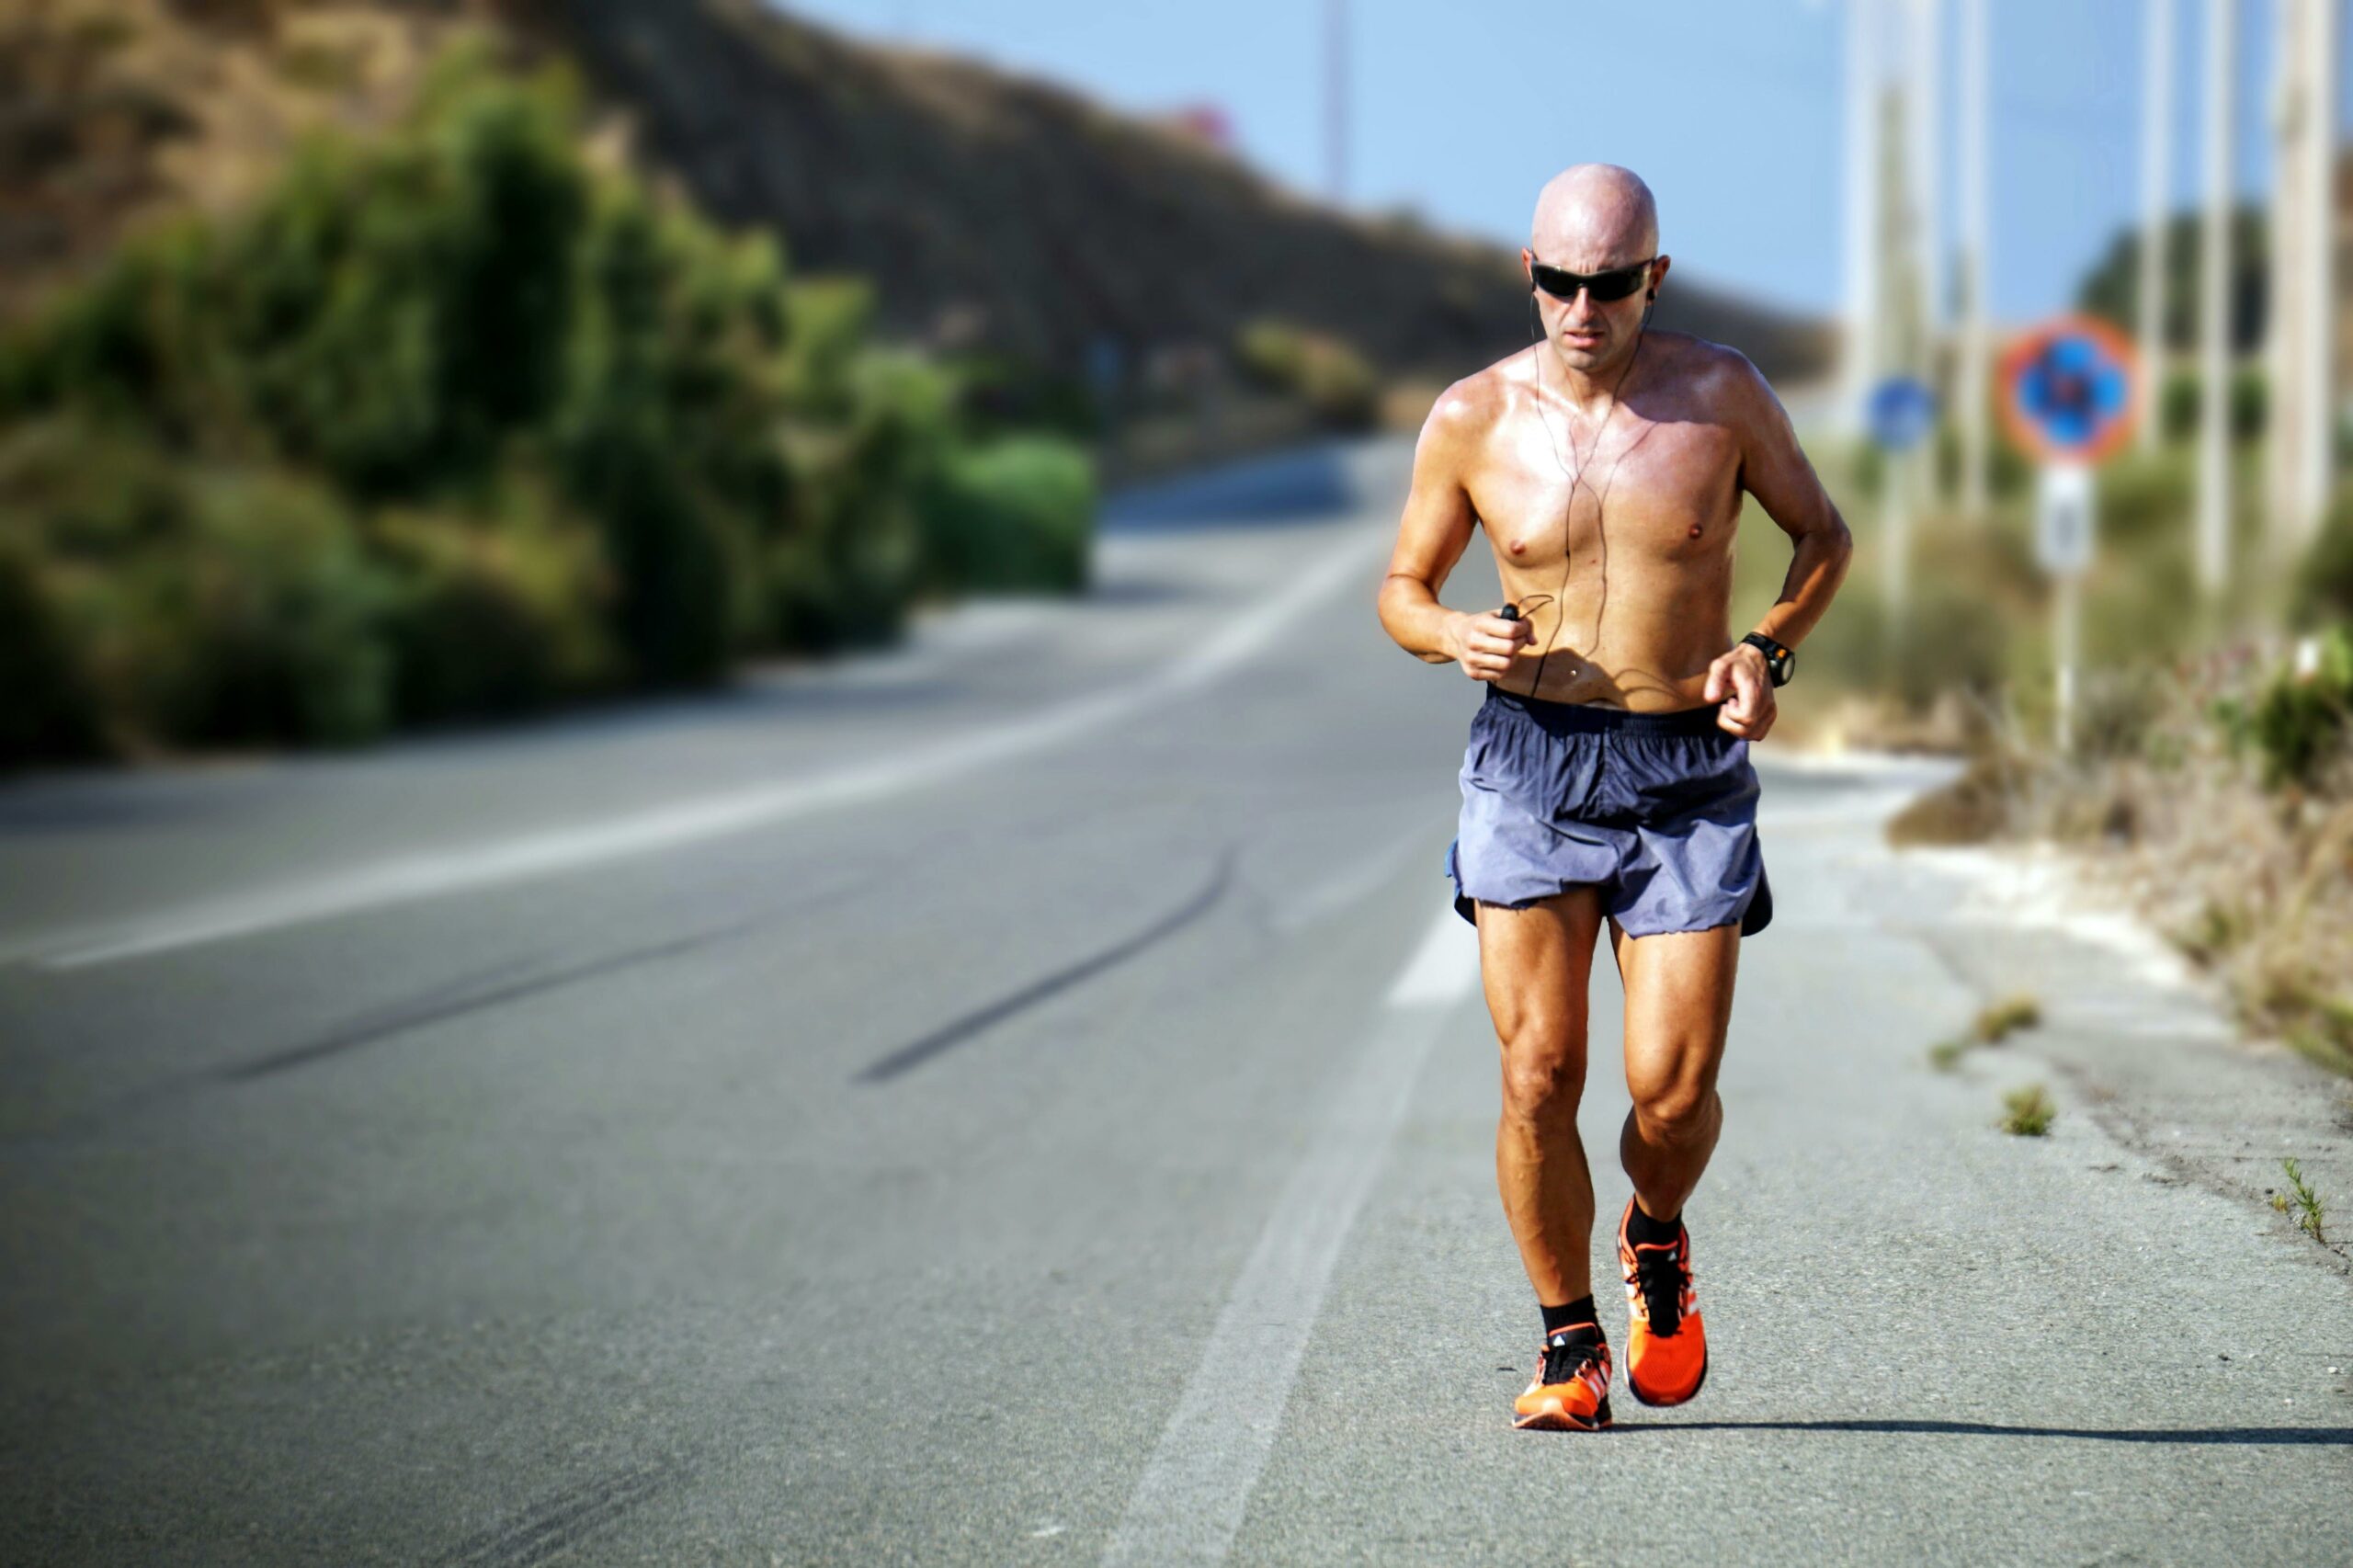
<point x="1741" y="674"/>
<point x="1485" y="645"/>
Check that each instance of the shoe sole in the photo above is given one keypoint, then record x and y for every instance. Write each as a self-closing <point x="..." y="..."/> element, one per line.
<point x="1636" y="1389"/>
<point x="1554" y="1418"/>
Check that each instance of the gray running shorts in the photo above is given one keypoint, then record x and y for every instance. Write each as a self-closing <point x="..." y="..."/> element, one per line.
<point x="1658" y="810"/>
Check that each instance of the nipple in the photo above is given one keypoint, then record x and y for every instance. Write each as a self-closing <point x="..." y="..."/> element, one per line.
<point x="1519" y="547"/>
<point x="1695" y="530"/>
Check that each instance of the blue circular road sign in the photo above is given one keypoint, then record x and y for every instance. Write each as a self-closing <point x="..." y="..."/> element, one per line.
<point x="1900" y="413"/>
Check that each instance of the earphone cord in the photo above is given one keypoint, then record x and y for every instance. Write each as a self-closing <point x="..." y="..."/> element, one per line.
<point x="1600" y="498"/>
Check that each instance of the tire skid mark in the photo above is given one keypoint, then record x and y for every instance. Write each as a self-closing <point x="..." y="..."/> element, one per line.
<point x="916" y="1052"/>
<point x="561" y="1522"/>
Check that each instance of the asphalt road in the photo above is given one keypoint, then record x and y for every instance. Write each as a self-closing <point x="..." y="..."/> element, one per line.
<point x="1026" y="1099"/>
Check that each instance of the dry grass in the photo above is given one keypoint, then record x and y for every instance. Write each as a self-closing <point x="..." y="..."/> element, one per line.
<point x="2254" y="884"/>
<point x="2028" y="1112"/>
<point x="1994" y="1023"/>
<point x="2007" y="1016"/>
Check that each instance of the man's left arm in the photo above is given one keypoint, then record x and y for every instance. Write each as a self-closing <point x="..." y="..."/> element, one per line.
<point x="1774" y="469"/>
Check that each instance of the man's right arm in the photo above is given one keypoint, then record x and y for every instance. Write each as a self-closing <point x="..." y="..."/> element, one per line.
<point x="1432" y="534"/>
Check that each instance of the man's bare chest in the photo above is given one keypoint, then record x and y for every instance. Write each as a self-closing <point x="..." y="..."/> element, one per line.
<point x="1664" y="487"/>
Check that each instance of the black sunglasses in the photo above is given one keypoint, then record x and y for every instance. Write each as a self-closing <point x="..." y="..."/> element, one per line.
<point x="1614" y="284"/>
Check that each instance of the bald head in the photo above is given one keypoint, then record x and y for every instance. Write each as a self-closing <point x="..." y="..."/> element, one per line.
<point x="1594" y="216"/>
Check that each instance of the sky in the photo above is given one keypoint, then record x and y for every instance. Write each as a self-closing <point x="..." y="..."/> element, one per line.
<point x="1733" y="111"/>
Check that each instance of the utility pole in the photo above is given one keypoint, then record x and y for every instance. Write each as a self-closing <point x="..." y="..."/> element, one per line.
<point x="2156" y="190"/>
<point x="1335" y="98"/>
<point x="1970" y="389"/>
<point x="1864" y="236"/>
<point x="1928" y="220"/>
<point x="2302" y="350"/>
<point x="2323" y="43"/>
<point x="2213" y="305"/>
<point x="2284" y="349"/>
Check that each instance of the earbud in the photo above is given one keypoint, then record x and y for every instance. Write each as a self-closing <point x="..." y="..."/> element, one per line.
<point x="1509" y="612"/>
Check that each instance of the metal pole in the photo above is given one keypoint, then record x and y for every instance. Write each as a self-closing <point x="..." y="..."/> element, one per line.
<point x="1928" y="226"/>
<point x="2064" y="650"/>
<point x="2317" y="397"/>
<point x="2284" y="349"/>
<point x="1970" y="390"/>
<point x="1862" y="210"/>
<point x="1896" y="512"/>
<point x="2156" y="189"/>
<point x="2213" y="305"/>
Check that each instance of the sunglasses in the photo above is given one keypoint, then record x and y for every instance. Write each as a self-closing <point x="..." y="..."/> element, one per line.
<point x="1606" y="287"/>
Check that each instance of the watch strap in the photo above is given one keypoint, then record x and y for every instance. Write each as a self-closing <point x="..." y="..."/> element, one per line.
<point x="1778" y="660"/>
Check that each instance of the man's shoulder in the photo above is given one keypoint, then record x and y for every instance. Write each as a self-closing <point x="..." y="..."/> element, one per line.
<point x="1706" y="365"/>
<point x="1466" y="411"/>
<point x="1481" y="397"/>
<point x="1716" y="380"/>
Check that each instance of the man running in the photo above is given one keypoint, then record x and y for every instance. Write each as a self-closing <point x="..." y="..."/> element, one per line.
<point x="1606" y="775"/>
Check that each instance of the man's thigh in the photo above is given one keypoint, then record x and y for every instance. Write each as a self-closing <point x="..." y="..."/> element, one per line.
<point x="1678" y="1006"/>
<point x="1536" y="965"/>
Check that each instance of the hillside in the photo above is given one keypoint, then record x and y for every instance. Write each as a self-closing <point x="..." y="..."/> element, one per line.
<point x="991" y="209"/>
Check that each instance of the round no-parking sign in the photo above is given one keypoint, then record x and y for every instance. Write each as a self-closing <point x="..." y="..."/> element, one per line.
<point x="2071" y="391"/>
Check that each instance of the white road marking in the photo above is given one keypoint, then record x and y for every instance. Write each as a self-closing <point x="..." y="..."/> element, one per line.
<point x="1188" y="1503"/>
<point x="406" y="878"/>
<point x="1445" y="966"/>
<point x="1351" y="888"/>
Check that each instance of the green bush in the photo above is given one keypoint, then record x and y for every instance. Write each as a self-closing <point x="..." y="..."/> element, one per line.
<point x="1332" y="377"/>
<point x="2297" y="723"/>
<point x="2144" y="497"/>
<point x="452" y="422"/>
<point x="249" y="614"/>
<point x="496" y="614"/>
<point x="48" y="711"/>
<point x="2181" y="394"/>
<point x="2324" y="584"/>
<point x="844" y="573"/>
<point x="1014" y="515"/>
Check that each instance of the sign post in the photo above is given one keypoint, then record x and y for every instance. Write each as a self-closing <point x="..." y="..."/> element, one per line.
<point x="1901" y="413"/>
<point x="2063" y="547"/>
<point x="2071" y="393"/>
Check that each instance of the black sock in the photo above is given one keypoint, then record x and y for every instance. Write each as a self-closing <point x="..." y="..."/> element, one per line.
<point x="1568" y="1313"/>
<point x="1643" y="1230"/>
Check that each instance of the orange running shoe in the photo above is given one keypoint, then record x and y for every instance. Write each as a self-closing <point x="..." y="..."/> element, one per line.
<point x="1571" y="1389"/>
<point x="1666" y="1345"/>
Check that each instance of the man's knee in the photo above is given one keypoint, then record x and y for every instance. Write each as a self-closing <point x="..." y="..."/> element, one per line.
<point x="1543" y="1077"/>
<point x="1679" y="1096"/>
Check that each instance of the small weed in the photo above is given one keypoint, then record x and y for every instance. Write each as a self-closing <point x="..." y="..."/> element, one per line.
<point x="2028" y="1112"/>
<point x="1991" y="1025"/>
<point x="2309" y="1213"/>
<point x="2006" y="1018"/>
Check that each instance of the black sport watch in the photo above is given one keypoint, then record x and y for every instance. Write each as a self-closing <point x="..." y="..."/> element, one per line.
<point x="1780" y="664"/>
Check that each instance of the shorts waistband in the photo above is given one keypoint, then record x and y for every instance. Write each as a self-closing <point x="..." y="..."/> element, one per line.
<point x="1587" y="718"/>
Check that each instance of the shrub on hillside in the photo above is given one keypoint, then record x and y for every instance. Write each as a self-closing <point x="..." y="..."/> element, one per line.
<point x="869" y="445"/>
<point x="48" y="711"/>
<point x="2325" y="585"/>
<point x="496" y="614"/>
<point x="1014" y="516"/>
<point x="2297" y="724"/>
<point x="199" y="602"/>
<point x="1333" y="377"/>
<point x="547" y="432"/>
<point x="2182" y="393"/>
